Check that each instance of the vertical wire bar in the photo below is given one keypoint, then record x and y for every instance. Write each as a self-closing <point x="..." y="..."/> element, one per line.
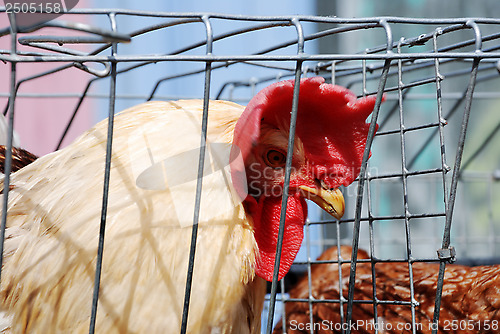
<point x="404" y="172"/>
<point x="339" y="258"/>
<point x="105" y="193"/>
<point x="333" y="72"/>
<point x="370" y="226"/>
<point x="310" y="297"/>
<point x="284" y="201"/>
<point x="360" y="192"/>
<point x="442" y="122"/>
<point x="283" y="310"/>
<point x="10" y="134"/>
<point x="288" y="169"/>
<point x="361" y="178"/>
<point x="341" y="284"/>
<point x="372" y="252"/>
<point x="199" y="183"/>
<point x="455" y="177"/>
<point x="363" y="76"/>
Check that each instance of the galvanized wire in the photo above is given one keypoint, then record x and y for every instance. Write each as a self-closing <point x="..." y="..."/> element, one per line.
<point x="199" y="181"/>
<point x="361" y="178"/>
<point x="404" y="180"/>
<point x="105" y="192"/>
<point x="10" y="133"/>
<point x="447" y="253"/>
<point x="288" y="171"/>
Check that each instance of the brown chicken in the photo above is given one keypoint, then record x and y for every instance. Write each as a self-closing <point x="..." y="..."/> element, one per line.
<point x="470" y="300"/>
<point x="20" y="158"/>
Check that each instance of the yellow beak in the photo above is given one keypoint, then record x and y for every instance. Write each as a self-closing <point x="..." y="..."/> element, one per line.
<point x="330" y="200"/>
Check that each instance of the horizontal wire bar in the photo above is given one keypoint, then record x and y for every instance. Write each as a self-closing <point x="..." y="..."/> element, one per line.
<point x="112" y="36"/>
<point x="382" y="48"/>
<point x="422" y="240"/>
<point x="355" y="301"/>
<point x="408" y="129"/>
<point x="412" y="173"/>
<point x="491" y="64"/>
<point x="31" y="41"/>
<point x="215" y="58"/>
<point x="309" y="18"/>
<point x="388" y="217"/>
<point x="450" y="96"/>
<point x="374" y="260"/>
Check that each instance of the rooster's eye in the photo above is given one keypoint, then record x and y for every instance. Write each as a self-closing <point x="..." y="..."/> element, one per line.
<point x="274" y="158"/>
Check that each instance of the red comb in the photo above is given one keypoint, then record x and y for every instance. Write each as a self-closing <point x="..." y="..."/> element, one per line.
<point x="331" y="123"/>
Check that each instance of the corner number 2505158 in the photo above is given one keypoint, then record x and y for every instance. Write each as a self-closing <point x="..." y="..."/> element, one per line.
<point x="33" y="7"/>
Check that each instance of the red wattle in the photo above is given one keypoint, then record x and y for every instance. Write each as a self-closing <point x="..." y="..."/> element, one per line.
<point x="266" y="223"/>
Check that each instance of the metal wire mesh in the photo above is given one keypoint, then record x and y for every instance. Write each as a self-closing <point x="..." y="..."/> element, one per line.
<point x="408" y="196"/>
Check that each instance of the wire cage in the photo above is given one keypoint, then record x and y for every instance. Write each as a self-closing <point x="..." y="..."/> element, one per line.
<point x="429" y="190"/>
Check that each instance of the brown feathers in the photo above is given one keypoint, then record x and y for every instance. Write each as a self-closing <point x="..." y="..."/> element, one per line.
<point x="470" y="300"/>
<point x="20" y="158"/>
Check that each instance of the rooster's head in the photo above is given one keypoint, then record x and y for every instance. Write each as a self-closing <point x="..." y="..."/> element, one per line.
<point x="330" y="137"/>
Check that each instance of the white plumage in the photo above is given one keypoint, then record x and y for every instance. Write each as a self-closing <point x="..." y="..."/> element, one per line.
<point x="53" y="224"/>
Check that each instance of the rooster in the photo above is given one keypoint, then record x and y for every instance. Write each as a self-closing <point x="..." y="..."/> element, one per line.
<point x="470" y="301"/>
<point x="55" y="205"/>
